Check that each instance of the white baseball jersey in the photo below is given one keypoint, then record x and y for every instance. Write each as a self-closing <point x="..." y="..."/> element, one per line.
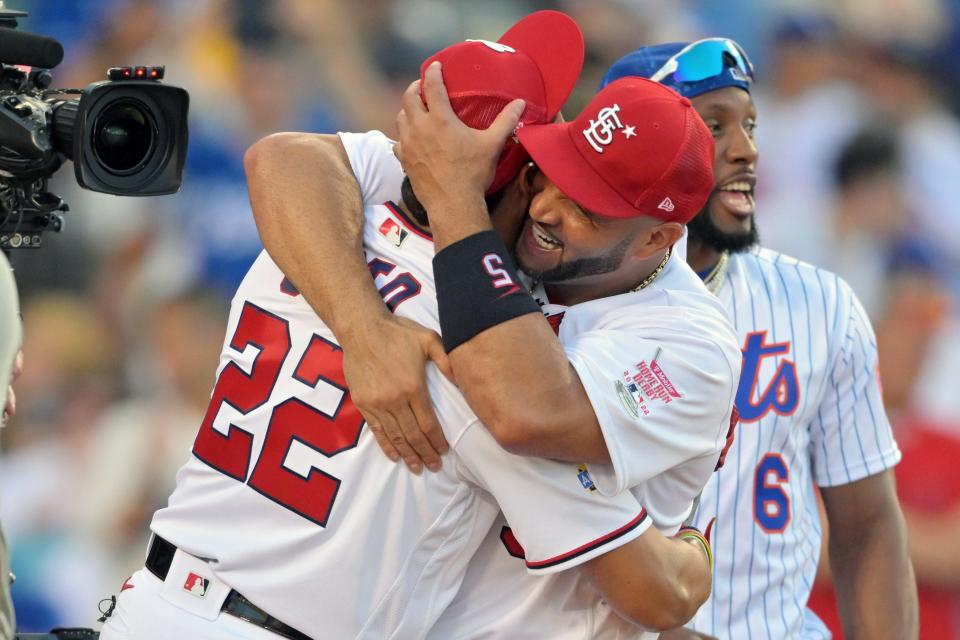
<point x="810" y="413"/>
<point x="292" y="502"/>
<point x="677" y="402"/>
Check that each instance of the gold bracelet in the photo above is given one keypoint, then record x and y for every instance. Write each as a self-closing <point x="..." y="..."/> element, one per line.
<point x="691" y="534"/>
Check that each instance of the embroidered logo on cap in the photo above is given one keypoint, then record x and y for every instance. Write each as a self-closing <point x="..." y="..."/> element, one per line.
<point x="667" y="205"/>
<point x="600" y="132"/>
<point x="496" y="46"/>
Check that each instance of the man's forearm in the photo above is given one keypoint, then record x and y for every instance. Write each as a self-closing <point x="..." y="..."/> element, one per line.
<point x="873" y="577"/>
<point x="517" y="378"/>
<point x="510" y="367"/>
<point x="875" y="585"/>
<point x="309" y="213"/>
<point x="515" y="375"/>
<point x="653" y="581"/>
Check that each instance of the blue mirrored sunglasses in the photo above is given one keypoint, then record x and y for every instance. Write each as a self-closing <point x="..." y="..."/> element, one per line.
<point x="705" y="59"/>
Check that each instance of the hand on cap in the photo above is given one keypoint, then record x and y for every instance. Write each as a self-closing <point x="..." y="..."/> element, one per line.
<point x="385" y="370"/>
<point x="447" y="161"/>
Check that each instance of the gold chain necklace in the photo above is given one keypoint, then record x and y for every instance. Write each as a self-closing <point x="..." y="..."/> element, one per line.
<point x="718" y="274"/>
<point x="656" y="272"/>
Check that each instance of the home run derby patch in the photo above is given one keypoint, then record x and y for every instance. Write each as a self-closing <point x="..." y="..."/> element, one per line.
<point x="647" y="382"/>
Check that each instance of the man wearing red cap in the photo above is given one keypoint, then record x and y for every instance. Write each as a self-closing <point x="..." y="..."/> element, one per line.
<point x="636" y="356"/>
<point x="286" y="521"/>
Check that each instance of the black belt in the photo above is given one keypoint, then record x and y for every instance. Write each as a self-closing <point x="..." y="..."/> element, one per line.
<point x="159" y="558"/>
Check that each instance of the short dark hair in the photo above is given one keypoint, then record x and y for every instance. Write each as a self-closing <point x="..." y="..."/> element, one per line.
<point x="418" y="211"/>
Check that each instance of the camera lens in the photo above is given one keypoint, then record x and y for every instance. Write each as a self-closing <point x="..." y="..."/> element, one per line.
<point x="123" y="136"/>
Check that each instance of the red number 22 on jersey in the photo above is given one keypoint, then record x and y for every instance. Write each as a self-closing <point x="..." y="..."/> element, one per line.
<point x="322" y="362"/>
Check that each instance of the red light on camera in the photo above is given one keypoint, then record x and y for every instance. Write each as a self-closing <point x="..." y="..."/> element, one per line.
<point x="139" y="73"/>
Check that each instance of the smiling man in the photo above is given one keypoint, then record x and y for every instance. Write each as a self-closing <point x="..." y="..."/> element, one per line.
<point x="809" y="400"/>
<point x="270" y="529"/>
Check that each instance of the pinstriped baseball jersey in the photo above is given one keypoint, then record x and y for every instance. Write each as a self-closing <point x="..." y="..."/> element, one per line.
<point x="810" y="413"/>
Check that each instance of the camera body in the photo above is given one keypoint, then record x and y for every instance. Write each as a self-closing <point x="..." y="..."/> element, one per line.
<point x="126" y="135"/>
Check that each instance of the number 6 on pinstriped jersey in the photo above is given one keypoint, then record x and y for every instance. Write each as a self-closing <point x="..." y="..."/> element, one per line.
<point x="771" y="504"/>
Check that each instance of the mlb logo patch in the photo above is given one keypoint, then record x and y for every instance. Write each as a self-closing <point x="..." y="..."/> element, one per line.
<point x="196" y="584"/>
<point x="393" y="232"/>
<point x="630" y="397"/>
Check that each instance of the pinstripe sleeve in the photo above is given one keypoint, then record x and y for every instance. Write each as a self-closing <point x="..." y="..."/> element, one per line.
<point x="851" y="437"/>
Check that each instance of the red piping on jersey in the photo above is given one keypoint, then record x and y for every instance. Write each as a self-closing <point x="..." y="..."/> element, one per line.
<point x="407" y="222"/>
<point x="590" y="546"/>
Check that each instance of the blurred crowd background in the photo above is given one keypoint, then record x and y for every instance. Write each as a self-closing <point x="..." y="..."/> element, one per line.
<point x="125" y="310"/>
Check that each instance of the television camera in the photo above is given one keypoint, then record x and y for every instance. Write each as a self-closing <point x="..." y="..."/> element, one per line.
<point x="126" y="135"/>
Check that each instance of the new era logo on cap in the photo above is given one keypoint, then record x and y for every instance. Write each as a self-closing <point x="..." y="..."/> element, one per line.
<point x="667" y="205"/>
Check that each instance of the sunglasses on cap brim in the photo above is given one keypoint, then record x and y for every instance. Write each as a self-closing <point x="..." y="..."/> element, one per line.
<point x="705" y="59"/>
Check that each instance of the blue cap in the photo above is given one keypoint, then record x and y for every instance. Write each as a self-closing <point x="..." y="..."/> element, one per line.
<point x="647" y="61"/>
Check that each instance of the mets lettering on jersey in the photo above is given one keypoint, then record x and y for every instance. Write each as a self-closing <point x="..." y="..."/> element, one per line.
<point x="811" y="414"/>
<point x="781" y="394"/>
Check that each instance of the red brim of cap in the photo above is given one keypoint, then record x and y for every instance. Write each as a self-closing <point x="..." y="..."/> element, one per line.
<point x="554" y="42"/>
<point x="552" y="148"/>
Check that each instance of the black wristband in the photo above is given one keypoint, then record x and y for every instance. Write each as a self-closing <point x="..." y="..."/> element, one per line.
<point x="477" y="288"/>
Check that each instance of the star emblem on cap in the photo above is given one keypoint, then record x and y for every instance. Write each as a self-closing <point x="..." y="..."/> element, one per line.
<point x="629" y="132"/>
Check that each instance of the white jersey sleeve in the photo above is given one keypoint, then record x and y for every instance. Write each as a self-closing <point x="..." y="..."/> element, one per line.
<point x="557" y="516"/>
<point x="851" y="437"/>
<point x="377" y="170"/>
<point x="660" y="403"/>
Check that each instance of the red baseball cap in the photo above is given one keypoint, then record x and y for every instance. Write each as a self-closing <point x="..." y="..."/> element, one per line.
<point x="537" y="59"/>
<point x="638" y="149"/>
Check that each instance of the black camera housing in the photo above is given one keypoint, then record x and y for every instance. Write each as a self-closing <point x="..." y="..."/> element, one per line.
<point x="126" y="136"/>
<point x="164" y="111"/>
